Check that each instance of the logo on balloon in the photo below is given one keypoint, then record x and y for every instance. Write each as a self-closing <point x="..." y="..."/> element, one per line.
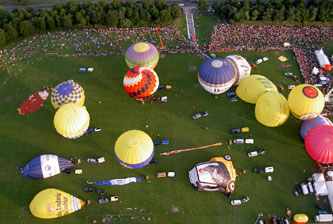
<point x="310" y="92"/>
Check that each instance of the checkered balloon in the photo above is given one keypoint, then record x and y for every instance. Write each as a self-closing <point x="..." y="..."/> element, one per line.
<point x="67" y="92"/>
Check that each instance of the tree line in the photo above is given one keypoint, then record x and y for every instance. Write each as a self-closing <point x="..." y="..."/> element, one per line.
<point x="21" y="23"/>
<point x="291" y="11"/>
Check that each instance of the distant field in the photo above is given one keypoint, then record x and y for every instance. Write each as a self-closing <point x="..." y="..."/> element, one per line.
<point x="163" y="200"/>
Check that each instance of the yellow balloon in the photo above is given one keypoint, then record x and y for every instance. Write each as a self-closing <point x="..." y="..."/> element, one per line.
<point x="134" y="149"/>
<point x="252" y="87"/>
<point x="53" y="203"/>
<point x="71" y="120"/>
<point x="272" y="109"/>
<point x="306" y="101"/>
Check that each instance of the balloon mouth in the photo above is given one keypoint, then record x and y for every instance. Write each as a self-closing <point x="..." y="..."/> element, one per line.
<point x="310" y="92"/>
<point x="217" y="64"/>
<point x="132" y="142"/>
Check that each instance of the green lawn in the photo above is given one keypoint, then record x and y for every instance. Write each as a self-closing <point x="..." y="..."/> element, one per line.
<point x="163" y="200"/>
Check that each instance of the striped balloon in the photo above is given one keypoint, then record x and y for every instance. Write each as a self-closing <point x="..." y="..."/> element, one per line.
<point x="142" y="54"/>
<point x="141" y="82"/>
<point x="309" y="124"/>
<point x="67" y="92"/>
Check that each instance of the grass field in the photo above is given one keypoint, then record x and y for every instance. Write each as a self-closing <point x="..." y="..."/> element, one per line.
<point x="163" y="200"/>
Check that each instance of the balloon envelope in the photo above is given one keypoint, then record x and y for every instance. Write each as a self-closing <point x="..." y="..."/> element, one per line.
<point x="71" y="120"/>
<point x="309" y="124"/>
<point x="272" y="109"/>
<point x="45" y="166"/>
<point x="142" y="54"/>
<point x="141" y="82"/>
<point x="216" y="75"/>
<point x="319" y="144"/>
<point x="252" y="87"/>
<point x="134" y="149"/>
<point x="53" y="203"/>
<point x="33" y="103"/>
<point x="67" y="92"/>
<point x="242" y="66"/>
<point x="328" y="67"/>
<point x="306" y="101"/>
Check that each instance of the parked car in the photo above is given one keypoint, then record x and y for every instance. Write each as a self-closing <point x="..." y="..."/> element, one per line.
<point x="100" y="192"/>
<point x="204" y="114"/>
<point x="261" y="151"/>
<point x="91" y="160"/>
<point x="157" y="143"/>
<point x="89" y="190"/>
<point x="253" y="154"/>
<point x="258" y="170"/>
<point x="258" y="61"/>
<point x="234" y="99"/>
<point x="114" y="198"/>
<point x="235" y="131"/>
<point x="154" y="161"/>
<point x="236" y="202"/>
<point x="265" y="58"/>
<point x="298" y="188"/>
<point x="274" y="220"/>
<point x="238" y="141"/>
<point x="317" y="206"/>
<point x="269" y="169"/>
<point x="231" y="94"/>
<point x="286" y="221"/>
<point x="103" y="200"/>
<point x="246" y="199"/>
<point x="196" y="116"/>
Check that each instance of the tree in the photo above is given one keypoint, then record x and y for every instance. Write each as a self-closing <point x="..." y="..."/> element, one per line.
<point x="40" y="23"/>
<point x="26" y="28"/>
<point x="112" y="18"/>
<point x="267" y="16"/>
<point x="2" y="37"/>
<point x="3" y="16"/>
<point x="287" y="3"/>
<point x="175" y="11"/>
<point x="125" y="23"/>
<point x="255" y="15"/>
<point x="67" y="21"/>
<point x="217" y="6"/>
<point x="50" y="23"/>
<point x="203" y="5"/>
<point x="11" y="32"/>
<point x="313" y="13"/>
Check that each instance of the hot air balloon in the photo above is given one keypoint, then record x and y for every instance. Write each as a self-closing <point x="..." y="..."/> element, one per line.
<point x="319" y="144"/>
<point x="134" y="149"/>
<point x="306" y="101"/>
<point x="309" y="124"/>
<point x="33" y="103"/>
<point x="45" y="166"/>
<point x="243" y="67"/>
<point x="252" y="87"/>
<point x="67" y="92"/>
<point x="71" y="120"/>
<point x="141" y="82"/>
<point x="272" y="109"/>
<point x="300" y="219"/>
<point x="142" y="54"/>
<point x="218" y="174"/>
<point x="53" y="203"/>
<point x="216" y="75"/>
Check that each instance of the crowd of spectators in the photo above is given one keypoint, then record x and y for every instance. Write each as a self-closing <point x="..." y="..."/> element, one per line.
<point x="303" y="40"/>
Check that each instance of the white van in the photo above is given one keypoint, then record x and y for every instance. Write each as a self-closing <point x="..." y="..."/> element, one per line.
<point x="249" y="141"/>
<point x="305" y="189"/>
<point x="324" y="218"/>
<point x="238" y="141"/>
<point x="236" y="202"/>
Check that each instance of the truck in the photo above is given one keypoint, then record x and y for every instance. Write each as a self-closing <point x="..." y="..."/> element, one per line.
<point x="322" y="218"/>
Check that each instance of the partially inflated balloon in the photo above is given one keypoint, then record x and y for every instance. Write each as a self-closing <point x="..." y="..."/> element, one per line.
<point x="71" y="120"/>
<point x="53" y="203"/>
<point x="309" y="124"/>
<point x="252" y="87"/>
<point x="272" y="109"/>
<point x="306" y="101"/>
<point x="243" y="67"/>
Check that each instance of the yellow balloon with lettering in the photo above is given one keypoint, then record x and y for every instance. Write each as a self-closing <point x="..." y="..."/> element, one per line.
<point x="53" y="203"/>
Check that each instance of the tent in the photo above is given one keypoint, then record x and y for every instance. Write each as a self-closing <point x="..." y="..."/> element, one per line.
<point x="320" y="188"/>
<point x="322" y="59"/>
<point x="318" y="177"/>
<point x="329" y="185"/>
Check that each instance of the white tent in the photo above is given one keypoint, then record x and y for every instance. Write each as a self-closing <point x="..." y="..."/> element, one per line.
<point x="320" y="188"/>
<point x="322" y="58"/>
<point x="318" y="177"/>
<point x="329" y="185"/>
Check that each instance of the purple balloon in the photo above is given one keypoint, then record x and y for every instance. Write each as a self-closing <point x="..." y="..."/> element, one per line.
<point x="309" y="124"/>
